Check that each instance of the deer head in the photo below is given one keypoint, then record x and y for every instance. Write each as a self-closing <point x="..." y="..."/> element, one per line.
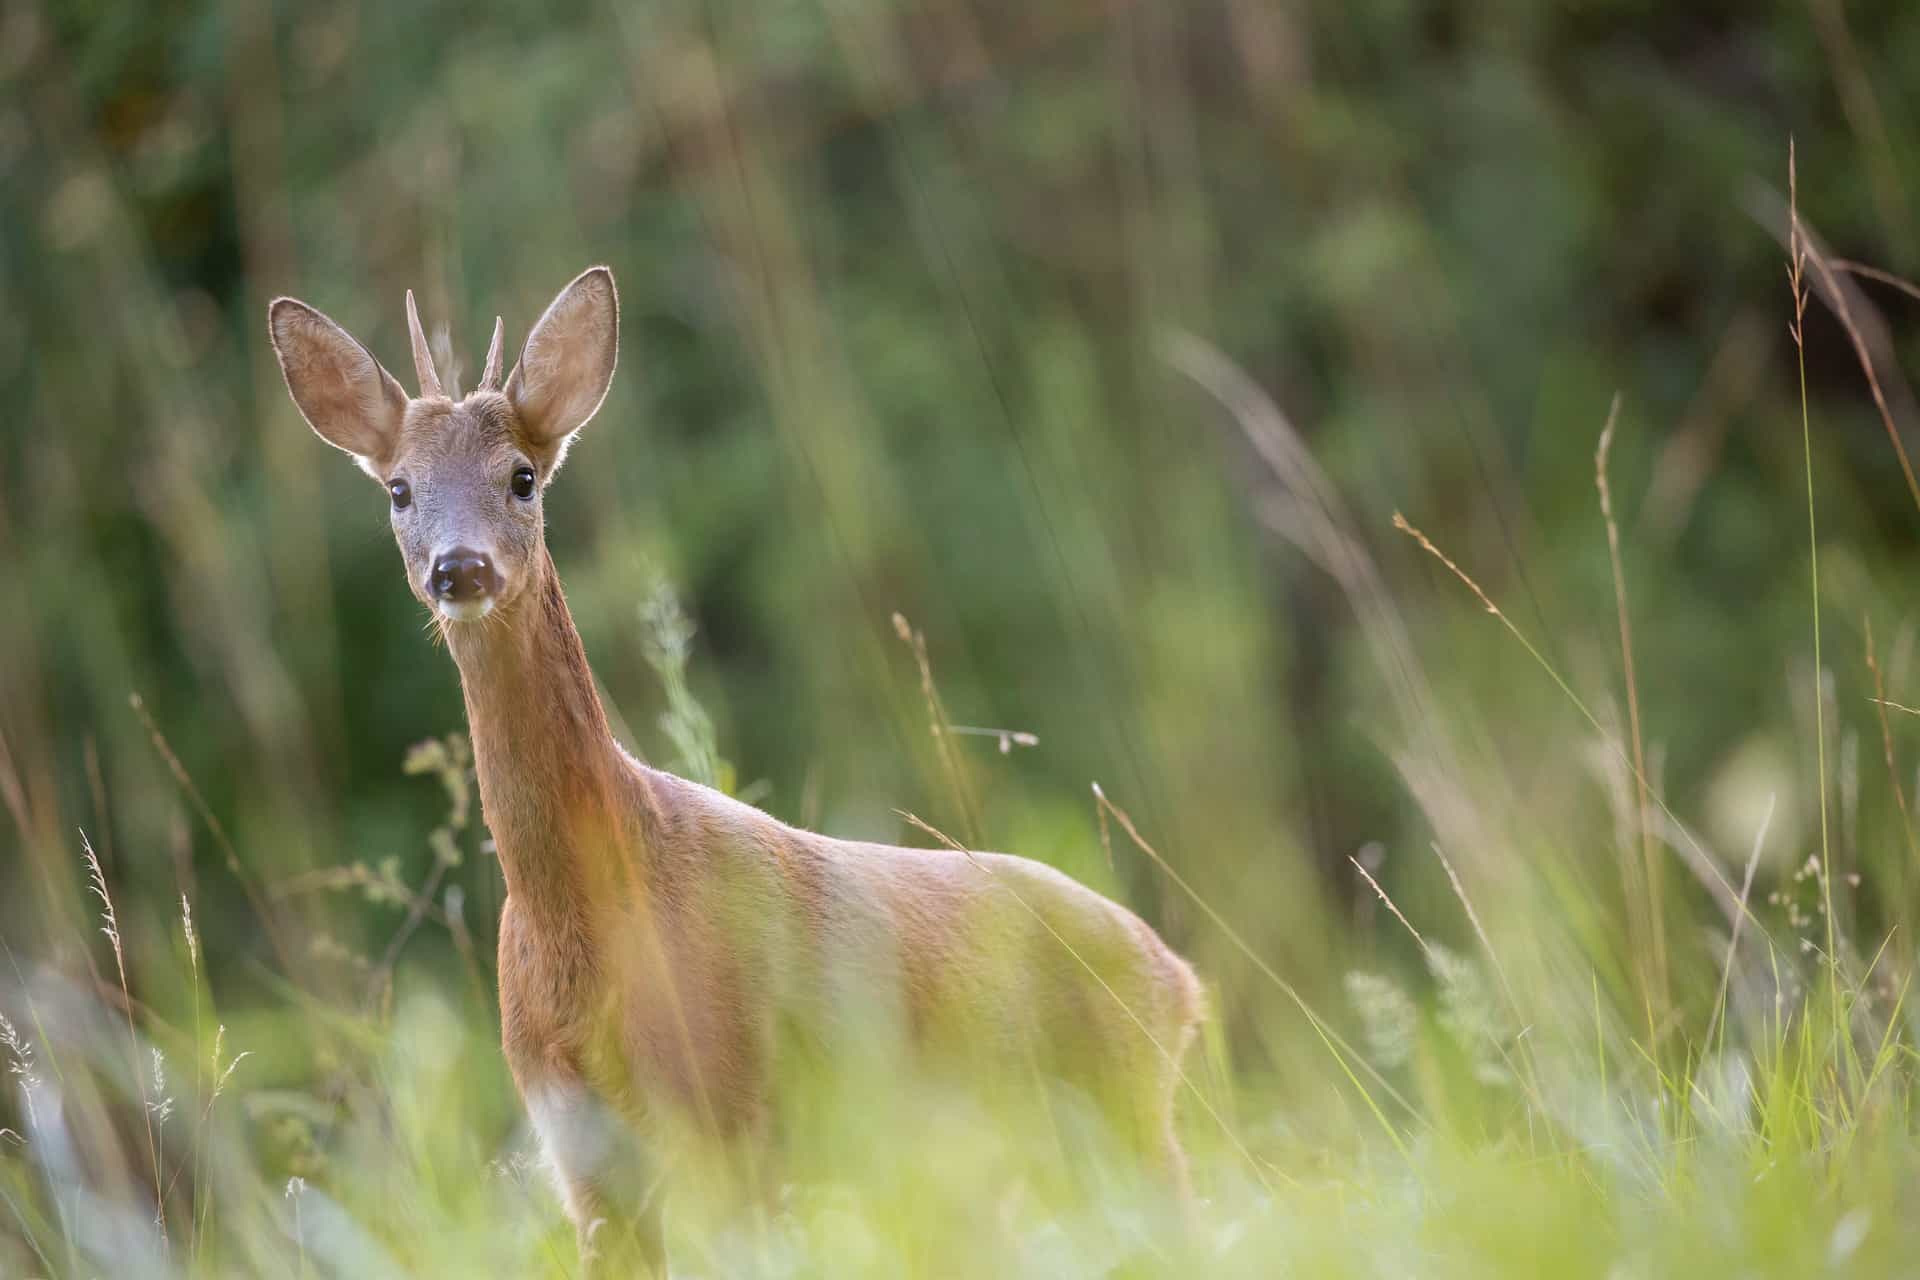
<point x="465" y="477"/>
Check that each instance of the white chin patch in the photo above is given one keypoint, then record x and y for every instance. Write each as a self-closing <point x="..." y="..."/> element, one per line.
<point x="464" y="610"/>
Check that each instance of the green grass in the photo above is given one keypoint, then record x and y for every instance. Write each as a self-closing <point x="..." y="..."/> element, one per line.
<point x="1557" y="1145"/>
<point x="1502" y="1109"/>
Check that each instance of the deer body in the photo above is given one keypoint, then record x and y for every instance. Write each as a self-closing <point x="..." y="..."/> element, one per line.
<point x="662" y="945"/>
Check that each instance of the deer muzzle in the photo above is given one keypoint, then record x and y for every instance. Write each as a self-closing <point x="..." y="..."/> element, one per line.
<point x="462" y="583"/>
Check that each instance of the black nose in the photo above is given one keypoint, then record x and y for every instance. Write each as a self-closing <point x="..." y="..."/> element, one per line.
<point x="461" y="575"/>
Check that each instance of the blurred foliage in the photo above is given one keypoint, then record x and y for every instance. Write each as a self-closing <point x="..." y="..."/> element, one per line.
<point x="898" y="282"/>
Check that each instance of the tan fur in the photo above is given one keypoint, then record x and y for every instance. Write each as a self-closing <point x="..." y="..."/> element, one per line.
<point x="663" y="945"/>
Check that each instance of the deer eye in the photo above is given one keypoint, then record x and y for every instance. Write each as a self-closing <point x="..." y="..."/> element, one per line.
<point x="402" y="494"/>
<point x="523" y="481"/>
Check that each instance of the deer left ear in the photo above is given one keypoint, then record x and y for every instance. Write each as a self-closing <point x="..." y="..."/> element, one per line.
<point x="567" y="364"/>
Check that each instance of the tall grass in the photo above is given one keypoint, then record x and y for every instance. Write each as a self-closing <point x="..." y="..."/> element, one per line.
<point x="1519" y="1115"/>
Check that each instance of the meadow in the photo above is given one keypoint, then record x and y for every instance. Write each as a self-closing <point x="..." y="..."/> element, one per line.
<point x="1415" y="502"/>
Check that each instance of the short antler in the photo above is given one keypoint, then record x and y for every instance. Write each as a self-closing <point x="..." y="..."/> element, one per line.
<point x="422" y="357"/>
<point x="490" y="375"/>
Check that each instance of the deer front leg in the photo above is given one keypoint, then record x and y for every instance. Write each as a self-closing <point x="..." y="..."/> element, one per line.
<point x="614" y="1240"/>
<point x="611" y="1188"/>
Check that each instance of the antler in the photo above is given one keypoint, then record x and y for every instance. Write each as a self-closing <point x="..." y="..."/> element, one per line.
<point x="422" y="358"/>
<point x="490" y="375"/>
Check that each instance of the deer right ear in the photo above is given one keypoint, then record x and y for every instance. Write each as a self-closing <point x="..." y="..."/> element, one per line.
<point x="567" y="364"/>
<point x="346" y="397"/>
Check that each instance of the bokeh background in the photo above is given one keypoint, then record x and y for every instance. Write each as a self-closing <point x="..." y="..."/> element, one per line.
<point x="928" y="307"/>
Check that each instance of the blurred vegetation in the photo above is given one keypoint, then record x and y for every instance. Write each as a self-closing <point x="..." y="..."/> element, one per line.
<point x="907" y="287"/>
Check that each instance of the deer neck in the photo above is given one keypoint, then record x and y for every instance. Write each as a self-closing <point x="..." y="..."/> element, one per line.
<point x="550" y="771"/>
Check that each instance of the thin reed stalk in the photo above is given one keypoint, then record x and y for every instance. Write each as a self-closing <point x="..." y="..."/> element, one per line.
<point x="1654" y="911"/>
<point x="1796" y="277"/>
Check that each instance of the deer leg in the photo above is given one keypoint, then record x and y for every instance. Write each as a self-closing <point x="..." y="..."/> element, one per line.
<point x="614" y="1239"/>
<point x="611" y="1188"/>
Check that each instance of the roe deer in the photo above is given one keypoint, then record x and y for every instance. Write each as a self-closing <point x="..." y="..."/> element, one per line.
<point x="661" y="944"/>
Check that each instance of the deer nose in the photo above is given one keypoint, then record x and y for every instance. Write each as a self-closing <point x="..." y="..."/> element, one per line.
<point x="461" y="575"/>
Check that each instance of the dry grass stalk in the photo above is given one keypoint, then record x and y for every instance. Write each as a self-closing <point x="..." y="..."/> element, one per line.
<point x="1802" y="251"/>
<point x="97" y="882"/>
<point x="941" y="727"/>
<point x="1382" y="893"/>
<point x="1479" y="930"/>
<point x="1653" y="926"/>
<point x="1878" y="274"/>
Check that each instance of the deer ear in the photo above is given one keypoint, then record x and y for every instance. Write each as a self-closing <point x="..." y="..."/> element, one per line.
<point x="346" y="397"/>
<point x="567" y="364"/>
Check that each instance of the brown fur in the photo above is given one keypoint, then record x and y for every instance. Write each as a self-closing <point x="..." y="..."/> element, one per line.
<point x="663" y="944"/>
